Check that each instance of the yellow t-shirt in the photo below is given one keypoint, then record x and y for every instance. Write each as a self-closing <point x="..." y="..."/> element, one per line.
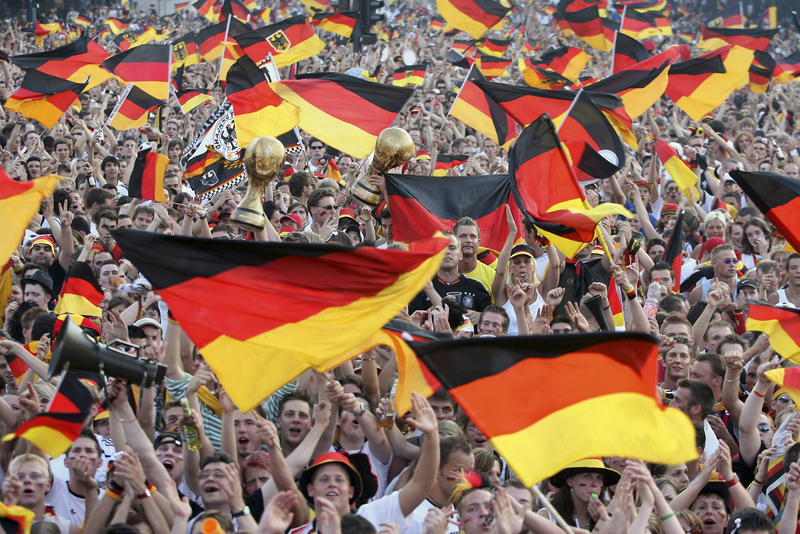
<point x="485" y="275"/>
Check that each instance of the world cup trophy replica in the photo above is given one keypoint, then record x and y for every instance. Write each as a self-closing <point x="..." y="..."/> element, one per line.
<point x="263" y="159"/>
<point x="394" y="147"/>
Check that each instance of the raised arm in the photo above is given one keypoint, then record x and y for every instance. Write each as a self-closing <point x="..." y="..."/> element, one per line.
<point x="499" y="282"/>
<point x="749" y="439"/>
<point x="424" y="477"/>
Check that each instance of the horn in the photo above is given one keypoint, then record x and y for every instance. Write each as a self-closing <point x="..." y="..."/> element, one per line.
<point x="263" y="159"/>
<point x="596" y="307"/>
<point x="394" y="147"/>
<point x="73" y="348"/>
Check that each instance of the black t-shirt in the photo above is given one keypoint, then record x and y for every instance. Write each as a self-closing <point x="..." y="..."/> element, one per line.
<point x="593" y="272"/>
<point x="466" y="290"/>
<point x="255" y="501"/>
<point x="58" y="274"/>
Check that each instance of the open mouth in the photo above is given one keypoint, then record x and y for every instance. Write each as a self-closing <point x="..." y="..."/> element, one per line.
<point x="244" y="442"/>
<point x="169" y="465"/>
<point x="294" y="432"/>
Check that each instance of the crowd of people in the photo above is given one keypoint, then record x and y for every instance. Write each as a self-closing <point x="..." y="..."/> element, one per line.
<point x="315" y="456"/>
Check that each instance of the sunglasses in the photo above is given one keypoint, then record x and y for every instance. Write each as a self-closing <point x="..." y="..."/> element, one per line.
<point x="764" y="427"/>
<point x="728" y="261"/>
<point x="784" y="398"/>
<point x="317" y="147"/>
<point x="328" y="208"/>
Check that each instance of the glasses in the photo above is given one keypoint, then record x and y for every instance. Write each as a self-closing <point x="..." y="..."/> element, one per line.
<point x="219" y="475"/>
<point x="764" y="427"/>
<point x="727" y="261"/>
<point x="33" y="477"/>
<point x="784" y="398"/>
<point x="317" y="147"/>
<point x="329" y="208"/>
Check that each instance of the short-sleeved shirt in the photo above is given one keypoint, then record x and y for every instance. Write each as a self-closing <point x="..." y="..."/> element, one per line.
<point x="376" y="512"/>
<point x="485" y="275"/>
<point x="67" y="504"/>
<point x="466" y="290"/>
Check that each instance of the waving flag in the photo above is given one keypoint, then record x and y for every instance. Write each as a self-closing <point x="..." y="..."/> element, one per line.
<point x="673" y="254"/>
<point x="368" y="287"/>
<point x="80" y="294"/>
<point x="411" y="75"/>
<point x="712" y="39"/>
<point x="493" y="67"/>
<point x="289" y="41"/>
<point x="132" y="109"/>
<point x="730" y="17"/>
<point x="761" y="72"/>
<point x="445" y="162"/>
<point x="641" y="25"/>
<point x="628" y="52"/>
<point x="493" y="47"/>
<point x="341" y="22"/>
<point x="19" y="202"/>
<point x="191" y="98"/>
<point x="567" y="61"/>
<point x="475" y="17"/>
<point x="595" y="31"/>
<point x="677" y="169"/>
<point x="44" y="98"/>
<point x="777" y="197"/>
<point x="184" y="51"/>
<point x="540" y="77"/>
<point x="133" y="38"/>
<point x="146" y="67"/>
<point x="74" y="62"/>
<point x="786" y="70"/>
<point x="117" y="26"/>
<point x="781" y="324"/>
<point x="477" y="110"/>
<point x="787" y="378"/>
<point x="609" y="380"/>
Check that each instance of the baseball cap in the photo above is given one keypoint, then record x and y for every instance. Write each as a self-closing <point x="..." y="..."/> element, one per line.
<point x="713" y="243"/>
<point x="521" y="249"/>
<point x="147" y="321"/>
<point x="165" y="438"/>
<point x="746" y="282"/>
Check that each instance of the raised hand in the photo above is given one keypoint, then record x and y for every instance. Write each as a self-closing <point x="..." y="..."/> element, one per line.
<point x="423" y="418"/>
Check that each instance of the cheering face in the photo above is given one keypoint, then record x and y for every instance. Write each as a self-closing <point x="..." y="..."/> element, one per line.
<point x="475" y="511"/>
<point x="35" y="484"/>
<point x="711" y="509"/>
<point x="171" y="457"/>
<point x="332" y="482"/>
<point x="584" y="485"/>
<point x="476" y="438"/>
<point x="247" y="439"/>
<point x="350" y="428"/>
<point x="522" y="268"/>
<point x="212" y="485"/>
<point x="295" y="422"/>
<point x="450" y="473"/>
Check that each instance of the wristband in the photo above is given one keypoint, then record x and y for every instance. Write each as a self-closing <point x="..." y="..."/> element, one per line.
<point x="762" y="395"/>
<point x="114" y="495"/>
<point x="668" y="516"/>
<point x="732" y="482"/>
<point x="631" y="294"/>
<point x="758" y="482"/>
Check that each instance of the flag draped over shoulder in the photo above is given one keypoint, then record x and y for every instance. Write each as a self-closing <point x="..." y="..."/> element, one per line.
<point x="781" y="324"/>
<point x="44" y="98"/>
<point x="703" y="83"/>
<point x="19" y="202"/>
<point x="254" y="353"/>
<point x="257" y="109"/>
<point x="600" y="386"/>
<point x="73" y="62"/>
<point x="289" y="41"/>
<point x="147" y="178"/>
<point x="677" y="169"/>
<point x="475" y="17"/>
<point x="146" y="67"/>
<point x="80" y="293"/>
<point x="343" y="111"/>
<point x="777" y="197"/>
<point x="421" y="206"/>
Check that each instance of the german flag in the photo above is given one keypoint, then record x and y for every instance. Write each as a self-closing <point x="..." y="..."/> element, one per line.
<point x="16" y="519"/>
<point x="80" y="20"/>
<point x="529" y="46"/>
<point x="475" y="17"/>
<point x="74" y="62"/>
<point x="641" y="5"/>
<point x="146" y="67"/>
<point x="628" y="52"/>
<point x="730" y="17"/>
<point x="253" y="358"/>
<point x="234" y="8"/>
<point x="537" y="75"/>
<point x="117" y="26"/>
<point x="343" y="111"/>
<point x="786" y="70"/>
<point x="54" y="430"/>
<point x="89" y="325"/>
<point x="562" y="24"/>
<point x="341" y="23"/>
<point x="787" y="378"/>
<point x="475" y="109"/>
<point x="147" y="178"/>
<point x="677" y="169"/>
<point x="211" y="44"/>
<point x="687" y="36"/>
<point x="777" y="197"/>
<point x="131" y="39"/>
<point x="180" y="6"/>
<point x="462" y="46"/>
<point x="421" y="206"/>
<point x="184" y="51"/>
<point x="641" y="25"/>
<point x="19" y="202"/>
<point x="641" y="85"/>
<point x="712" y="39"/>
<point x="436" y="24"/>
<point x="567" y="61"/>
<point x="191" y="98"/>
<point x="571" y="6"/>
<point x="5" y="285"/>
<point x="493" y="67"/>
<point x="289" y="41"/>
<point x="263" y="14"/>
<point x="781" y="324"/>
<point x="104" y="34"/>
<point x="610" y="379"/>
<point x="44" y="98"/>
<point x="761" y="72"/>
<point x="446" y="162"/>
<point x="673" y="254"/>
<point x="133" y="109"/>
<point x="257" y="109"/>
<point x="207" y="9"/>
<point x="493" y="47"/>
<point x="595" y="31"/>
<point x="411" y="75"/>
<point x="701" y="84"/>
<point x="80" y="294"/>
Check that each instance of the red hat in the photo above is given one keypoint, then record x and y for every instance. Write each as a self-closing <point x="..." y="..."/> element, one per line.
<point x="45" y="240"/>
<point x="345" y="213"/>
<point x="649" y="45"/>
<point x="295" y="218"/>
<point x="356" y="479"/>
<point x="669" y="208"/>
<point x="713" y="243"/>
<point x="423" y="154"/>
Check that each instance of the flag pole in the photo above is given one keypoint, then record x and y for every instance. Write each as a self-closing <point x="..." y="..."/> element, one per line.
<point x="224" y="40"/>
<point x="572" y="105"/>
<point x="741" y="14"/>
<point x="550" y="508"/>
<point x="613" y="50"/>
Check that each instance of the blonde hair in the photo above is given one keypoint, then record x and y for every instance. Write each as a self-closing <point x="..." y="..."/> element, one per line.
<point x="715" y="215"/>
<point x="16" y="463"/>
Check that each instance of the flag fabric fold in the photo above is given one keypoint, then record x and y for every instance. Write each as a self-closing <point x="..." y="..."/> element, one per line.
<point x="713" y="38"/>
<point x="44" y="98"/>
<point x="628" y="52"/>
<point x="777" y="197"/>
<point x="781" y="324"/>
<point x="147" y="178"/>
<point x="80" y="293"/>
<point x="677" y="169"/>
<point x="146" y="67"/>
<point x="73" y="62"/>
<point x="341" y="22"/>
<point x="289" y="41"/>
<point x="19" y="202"/>
<point x="475" y="17"/>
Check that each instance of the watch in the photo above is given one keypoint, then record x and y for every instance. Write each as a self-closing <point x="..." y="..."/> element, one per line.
<point x="245" y="511"/>
<point x="363" y="409"/>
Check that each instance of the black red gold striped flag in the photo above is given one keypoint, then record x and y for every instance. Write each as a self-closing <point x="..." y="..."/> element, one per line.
<point x="493" y="67"/>
<point x="570" y="6"/>
<point x="208" y="8"/>
<point x="16" y="519"/>
<point x="191" y="98"/>
<point x="343" y="111"/>
<point x="184" y="51"/>
<point x="781" y="324"/>
<point x="80" y="293"/>
<point x="147" y="178"/>
<point x="74" y="62"/>
<point x="787" y="69"/>
<point x="730" y="17"/>
<point x="211" y="43"/>
<point x="641" y="25"/>
<point x="367" y="288"/>
<point x="475" y="109"/>
<point x="683" y="176"/>
<point x="460" y="60"/>
<point x="180" y="6"/>
<point x="146" y="67"/>
<point x="475" y="17"/>
<point x="531" y="46"/>
<point x="133" y="109"/>
<point x="316" y="6"/>
<point x="436" y="24"/>
<point x="673" y="254"/>
<point x="117" y="26"/>
<point x="493" y="47"/>
<point x="761" y="72"/>
<point x="777" y="197"/>
<point x="592" y="29"/>
<point x="537" y="75"/>
<point x="609" y="380"/>
<point x="787" y="378"/>
<point x="421" y="206"/>
<point x="701" y="84"/>
<point x="44" y="98"/>
<point x="411" y="75"/>
<point x="6" y="289"/>
<point x="445" y="162"/>
<point x="628" y="52"/>
<point x="341" y="22"/>
<point x="19" y="202"/>
<point x="563" y="25"/>
<point x="463" y="46"/>
<point x="568" y="61"/>
<point x="54" y="430"/>
<point x="133" y="38"/>
<point x="289" y="41"/>
<point x="81" y="20"/>
<point x="234" y="8"/>
<point x="257" y="109"/>
<point x="713" y="38"/>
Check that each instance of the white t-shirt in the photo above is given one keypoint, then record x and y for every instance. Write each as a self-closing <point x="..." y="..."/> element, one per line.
<point x="381" y="471"/>
<point x="421" y="512"/>
<point x="67" y="504"/>
<point x="60" y="470"/>
<point x="376" y="512"/>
